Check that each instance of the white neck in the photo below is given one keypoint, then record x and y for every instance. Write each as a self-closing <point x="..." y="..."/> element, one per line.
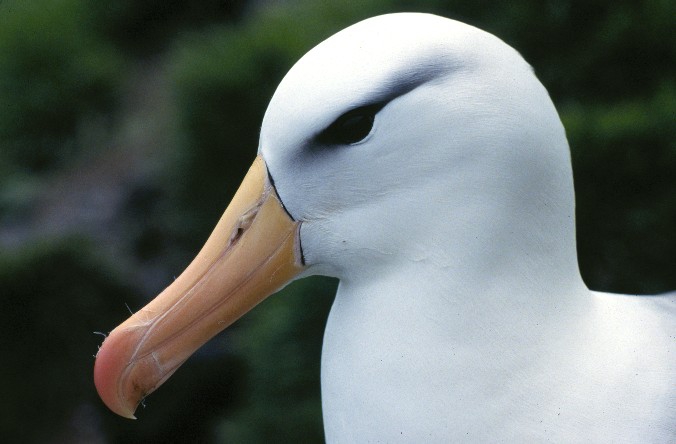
<point x="487" y="331"/>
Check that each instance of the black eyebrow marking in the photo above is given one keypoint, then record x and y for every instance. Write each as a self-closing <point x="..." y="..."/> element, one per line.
<point x="405" y="80"/>
<point x="396" y="85"/>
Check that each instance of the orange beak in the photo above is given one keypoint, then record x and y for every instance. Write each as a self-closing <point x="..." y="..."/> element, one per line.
<point x="253" y="252"/>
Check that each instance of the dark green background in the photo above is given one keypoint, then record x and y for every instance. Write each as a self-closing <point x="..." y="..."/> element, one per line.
<point x="126" y="126"/>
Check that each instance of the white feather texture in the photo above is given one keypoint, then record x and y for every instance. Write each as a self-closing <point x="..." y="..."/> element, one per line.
<point x="461" y="314"/>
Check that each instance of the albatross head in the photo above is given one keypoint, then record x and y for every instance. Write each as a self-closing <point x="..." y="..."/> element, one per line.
<point x="414" y="135"/>
<point x="404" y="140"/>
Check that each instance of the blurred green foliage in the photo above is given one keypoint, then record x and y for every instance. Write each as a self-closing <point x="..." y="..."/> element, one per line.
<point x="609" y="67"/>
<point x="625" y="160"/>
<point x="55" y="295"/>
<point x="145" y="27"/>
<point x="280" y="402"/>
<point x="57" y="74"/>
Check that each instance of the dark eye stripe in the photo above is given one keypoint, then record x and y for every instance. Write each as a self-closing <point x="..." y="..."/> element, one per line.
<point x="351" y="127"/>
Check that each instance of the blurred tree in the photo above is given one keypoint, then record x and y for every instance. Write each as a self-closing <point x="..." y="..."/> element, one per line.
<point x="145" y="27"/>
<point x="54" y="296"/>
<point x="281" y="343"/>
<point x="57" y="75"/>
<point x="624" y="159"/>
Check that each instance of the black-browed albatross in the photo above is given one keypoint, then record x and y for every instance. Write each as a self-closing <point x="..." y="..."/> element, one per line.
<point x="421" y="162"/>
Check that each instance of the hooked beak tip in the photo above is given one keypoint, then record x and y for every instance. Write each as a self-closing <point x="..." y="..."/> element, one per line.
<point x="107" y="370"/>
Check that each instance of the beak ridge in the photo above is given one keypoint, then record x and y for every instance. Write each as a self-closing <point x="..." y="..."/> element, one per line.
<point x="253" y="252"/>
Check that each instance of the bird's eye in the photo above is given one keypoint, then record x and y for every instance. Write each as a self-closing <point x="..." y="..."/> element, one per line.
<point x="351" y="127"/>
